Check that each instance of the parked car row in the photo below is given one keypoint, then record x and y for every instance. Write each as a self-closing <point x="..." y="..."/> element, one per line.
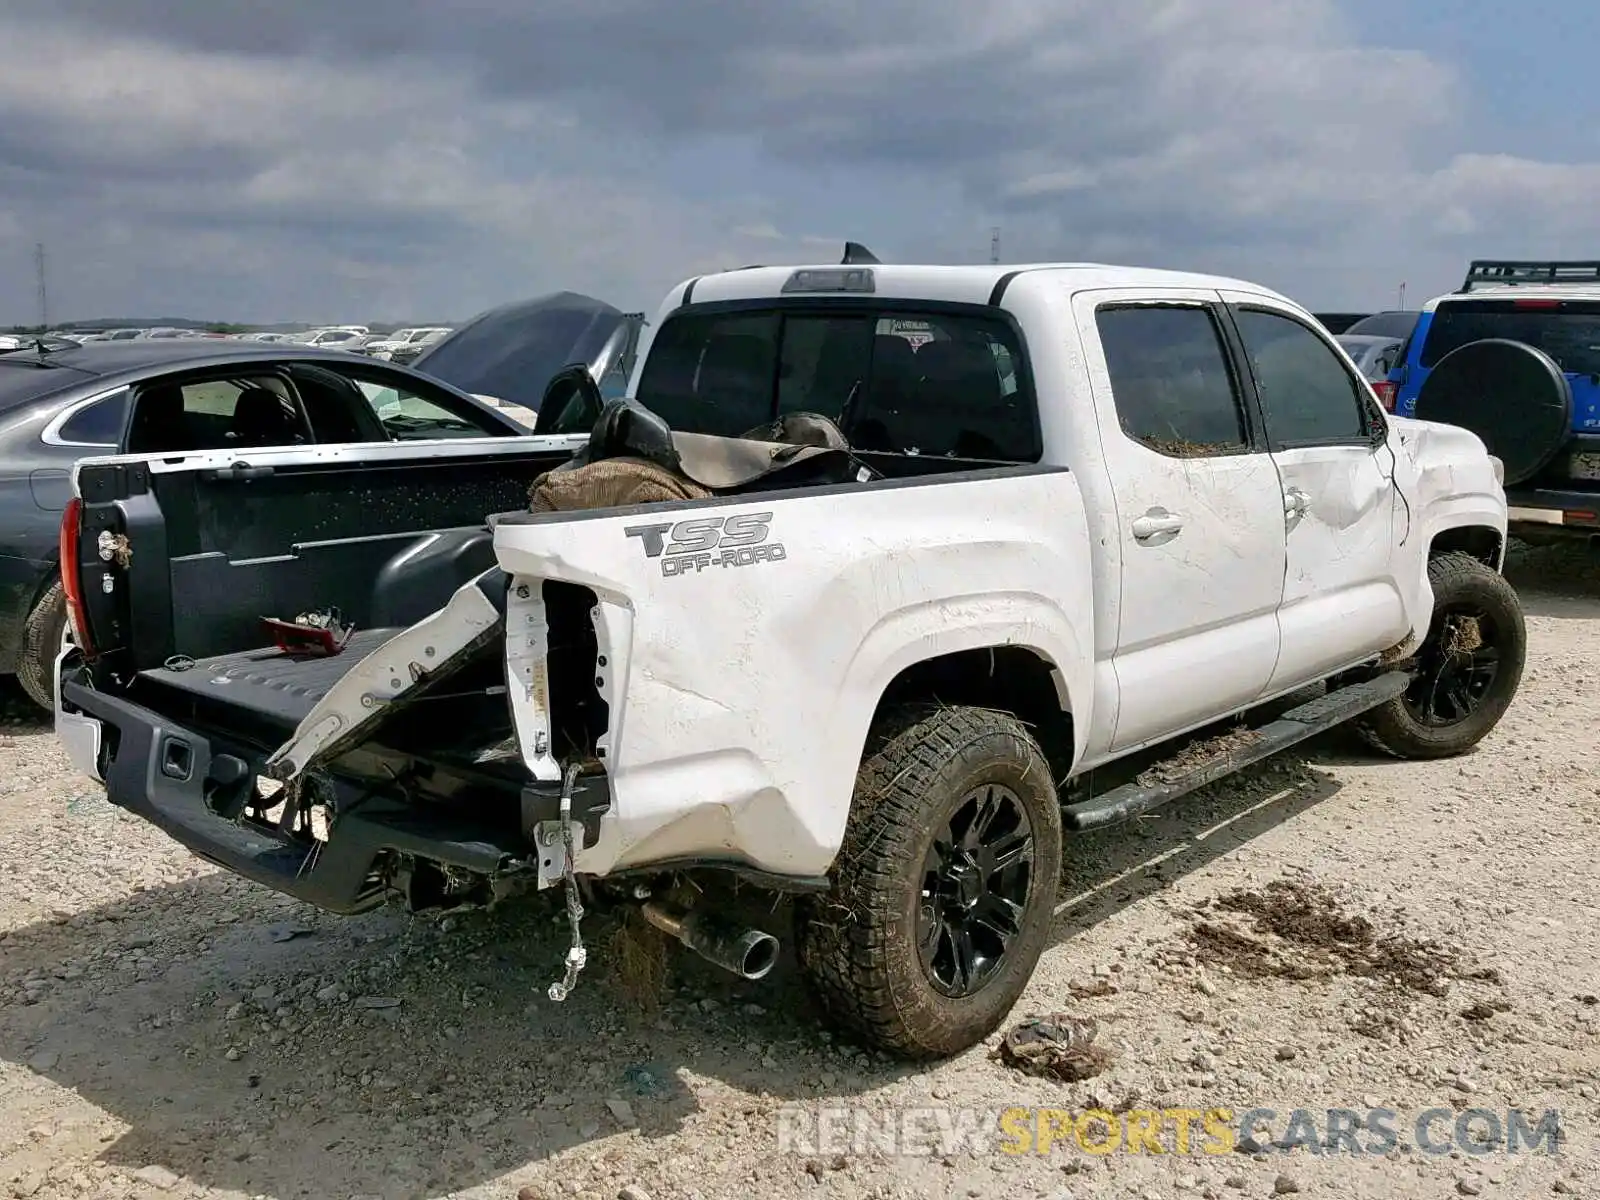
<point x="412" y="341"/>
<point x="358" y="338"/>
<point x="62" y="400"/>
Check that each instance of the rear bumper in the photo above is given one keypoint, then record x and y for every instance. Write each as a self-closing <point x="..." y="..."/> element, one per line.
<point x="80" y="736"/>
<point x="190" y="785"/>
<point x="1555" y="511"/>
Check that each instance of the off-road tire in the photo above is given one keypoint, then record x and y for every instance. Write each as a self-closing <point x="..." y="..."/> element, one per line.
<point x="41" y="642"/>
<point x="858" y="942"/>
<point x="1457" y="577"/>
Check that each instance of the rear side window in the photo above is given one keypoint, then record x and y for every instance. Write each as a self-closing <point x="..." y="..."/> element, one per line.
<point x="98" y="424"/>
<point x="1567" y="330"/>
<point x="944" y="384"/>
<point x="215" y="415"/>
<point x="1170" y="379"/>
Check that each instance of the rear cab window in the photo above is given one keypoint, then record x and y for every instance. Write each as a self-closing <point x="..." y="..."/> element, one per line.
<point x="947" y="383"/>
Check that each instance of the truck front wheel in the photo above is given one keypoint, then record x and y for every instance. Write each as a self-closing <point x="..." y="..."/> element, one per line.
<point x="944" y="887"/>
<point x="1467" y="670"/>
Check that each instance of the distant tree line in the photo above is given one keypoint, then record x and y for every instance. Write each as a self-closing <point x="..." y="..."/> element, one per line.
<point x="99" y="326"/>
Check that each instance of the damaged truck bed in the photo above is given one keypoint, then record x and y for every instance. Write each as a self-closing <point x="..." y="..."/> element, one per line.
<point x="437" y="750"/>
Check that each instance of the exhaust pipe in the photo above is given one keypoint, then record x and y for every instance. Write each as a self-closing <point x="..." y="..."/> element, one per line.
<point x="748" y="953"/>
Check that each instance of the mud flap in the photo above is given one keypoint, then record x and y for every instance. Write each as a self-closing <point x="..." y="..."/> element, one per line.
<point x="397" y="671"/>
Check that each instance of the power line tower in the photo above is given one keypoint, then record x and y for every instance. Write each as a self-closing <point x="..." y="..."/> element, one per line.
<point x="994" y="244"/>
<point x="44" y="294"/>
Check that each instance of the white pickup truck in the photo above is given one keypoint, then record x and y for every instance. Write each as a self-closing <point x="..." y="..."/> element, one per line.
<point x="1063" y="515"/>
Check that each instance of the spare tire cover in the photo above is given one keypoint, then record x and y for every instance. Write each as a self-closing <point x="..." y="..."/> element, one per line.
<point x="1512" y="395"/>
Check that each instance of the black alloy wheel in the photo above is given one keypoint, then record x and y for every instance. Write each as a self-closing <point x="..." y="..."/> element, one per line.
<point x="1456" y="666"/>
<point x="975" y="882"/>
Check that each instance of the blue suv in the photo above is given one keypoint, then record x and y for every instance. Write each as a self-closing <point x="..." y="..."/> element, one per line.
<point x="1547" y="431"/>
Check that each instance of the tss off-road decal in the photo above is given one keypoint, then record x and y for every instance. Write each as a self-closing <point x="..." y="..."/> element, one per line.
<point x="701" y="542"/>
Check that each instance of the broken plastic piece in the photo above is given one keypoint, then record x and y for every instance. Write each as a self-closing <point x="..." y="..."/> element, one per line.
<point x="320" y="634"/>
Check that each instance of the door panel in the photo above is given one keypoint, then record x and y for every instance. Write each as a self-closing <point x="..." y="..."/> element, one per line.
<point x="1342" y="598"/>
<point x="1197" y="512"/>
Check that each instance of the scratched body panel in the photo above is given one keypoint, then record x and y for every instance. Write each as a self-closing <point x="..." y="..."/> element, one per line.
<point x="747" y="644"/>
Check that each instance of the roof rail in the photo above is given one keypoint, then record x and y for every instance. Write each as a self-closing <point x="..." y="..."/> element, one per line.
<point x="1510" y="272"/>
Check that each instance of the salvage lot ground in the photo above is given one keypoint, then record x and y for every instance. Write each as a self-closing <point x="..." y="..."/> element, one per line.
<point x="166" y="1030"/>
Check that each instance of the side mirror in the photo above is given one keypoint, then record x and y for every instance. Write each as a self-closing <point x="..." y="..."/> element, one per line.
<point x="571" y="402"/>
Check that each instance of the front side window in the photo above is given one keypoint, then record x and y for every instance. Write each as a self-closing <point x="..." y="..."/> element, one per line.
<point x="1308" y="395"/>
<point x="941" y="384"/>
<point x="408" y="417"/>
<point x="1171" y="383"/>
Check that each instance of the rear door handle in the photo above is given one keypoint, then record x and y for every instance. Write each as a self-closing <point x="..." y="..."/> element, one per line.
<point x="1156" y="522"/>
<point x="239" y="470"/>
<point x="1296" y="503"/>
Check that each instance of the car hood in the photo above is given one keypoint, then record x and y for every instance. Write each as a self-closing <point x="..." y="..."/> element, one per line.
<point x="513" y="351"/>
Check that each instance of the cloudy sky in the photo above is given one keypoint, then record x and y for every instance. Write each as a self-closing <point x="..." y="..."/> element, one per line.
<point x="411" y="160"/>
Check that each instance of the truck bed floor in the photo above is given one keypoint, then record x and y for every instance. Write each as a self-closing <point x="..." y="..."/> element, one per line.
<point x="268" y="682"/>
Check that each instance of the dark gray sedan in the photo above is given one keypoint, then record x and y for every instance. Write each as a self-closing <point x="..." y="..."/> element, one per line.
<point x="61" y="401"/>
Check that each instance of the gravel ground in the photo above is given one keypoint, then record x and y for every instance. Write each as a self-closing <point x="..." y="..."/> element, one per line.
<point x="166" y="1030"/>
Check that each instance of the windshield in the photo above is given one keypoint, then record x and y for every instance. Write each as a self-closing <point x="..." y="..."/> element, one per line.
<point x="1373" y="355"/>
<point x="1385" y="324"/>
<point x="1567" y="330"/>
<point x="512" y="352"/>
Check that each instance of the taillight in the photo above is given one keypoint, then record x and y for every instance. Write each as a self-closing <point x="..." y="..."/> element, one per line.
<point x="1386" y="393"/>
<point x="71" y="575"/>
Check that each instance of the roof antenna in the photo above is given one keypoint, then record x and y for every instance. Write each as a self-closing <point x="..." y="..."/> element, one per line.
<point x="855" y="252"/>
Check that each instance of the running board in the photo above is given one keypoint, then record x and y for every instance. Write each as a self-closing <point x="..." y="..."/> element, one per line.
<point x="1226" y="753"/>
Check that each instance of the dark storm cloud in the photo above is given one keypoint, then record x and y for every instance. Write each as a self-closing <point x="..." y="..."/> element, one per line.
<point x="412" y="157"/>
